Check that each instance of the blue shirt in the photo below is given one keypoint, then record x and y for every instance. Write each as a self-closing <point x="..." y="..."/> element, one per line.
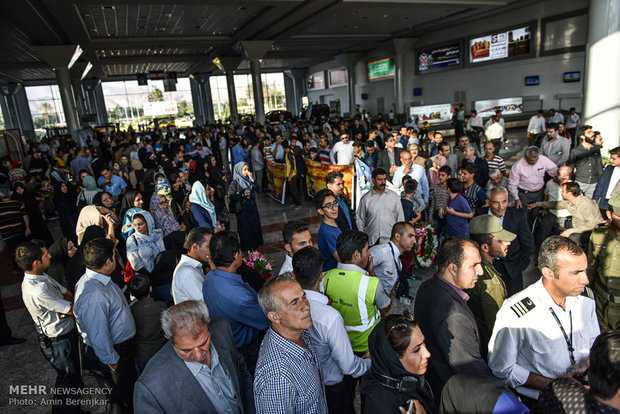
<point x="371" y="159"/>
<point x="288" y="377"/>
<point x="327" y="245"/>
<point x="239" y="155"/>
<point x="102" y="315"/>
<point x="279" y="155"/>
<point x="115" y="187"/>
<point x="458" y="226"/>
<point x="200" y="216"/>
<point x="228" y="296"/>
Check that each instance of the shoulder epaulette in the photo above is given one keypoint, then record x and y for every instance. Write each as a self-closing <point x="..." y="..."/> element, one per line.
<point x="523" y="306"/>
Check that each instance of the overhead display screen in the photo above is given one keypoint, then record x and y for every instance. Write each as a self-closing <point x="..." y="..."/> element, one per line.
<point x="500" y="45"/>
<point x="508" y="106"/>
<point x="316" y="81"/>
<point x="438" y="57"/>
<point x="432" y="113"/>
<point x="338" y="77"/>
<point x="380" y="69"/>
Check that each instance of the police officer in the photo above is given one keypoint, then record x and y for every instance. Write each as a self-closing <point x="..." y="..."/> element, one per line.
<point x="604" y="267"/>
<point x="546" y="330"/>
<point x="51" y="308"/>
<point x="489" y="293"/>
<point x="355" y="292"/>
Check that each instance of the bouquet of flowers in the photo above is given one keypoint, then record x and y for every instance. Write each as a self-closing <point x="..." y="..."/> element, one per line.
<point x="425" y="248"/>
<point x="258" y="262"/>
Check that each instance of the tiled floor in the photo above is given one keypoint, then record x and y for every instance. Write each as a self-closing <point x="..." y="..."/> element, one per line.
<point x="25" y="365"/>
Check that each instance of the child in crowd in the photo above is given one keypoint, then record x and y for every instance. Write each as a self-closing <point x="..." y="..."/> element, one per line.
<point x="412" y="201"/>
<point x="146" y="312"/>
<point x="327" y="207"/>
<point x="473" y="193"/>
<point x="439" y="201"/>
<point x="458" y="211"/>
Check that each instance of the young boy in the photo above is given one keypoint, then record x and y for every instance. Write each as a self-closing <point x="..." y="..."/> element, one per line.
<point x="146" y="312"/>
<point x="458" y="211"/>
<point x="412" y="201"/>
<point x="327" y="207"/>
<point x="439" y="202"/>
<point x="473" y="193"/>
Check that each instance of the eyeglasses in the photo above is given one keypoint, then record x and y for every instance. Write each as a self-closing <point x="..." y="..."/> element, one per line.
<point x="331" y="205"/>
<point x="404" y="321"/>
<point x="163" y="203"/>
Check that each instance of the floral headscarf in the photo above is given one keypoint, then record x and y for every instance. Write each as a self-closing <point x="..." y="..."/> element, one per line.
<point x="162" y="187"/>
<point x="127" y="229"/>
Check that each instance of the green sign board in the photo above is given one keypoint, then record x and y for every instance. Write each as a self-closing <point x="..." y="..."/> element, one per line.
<point x="380" y="69"/>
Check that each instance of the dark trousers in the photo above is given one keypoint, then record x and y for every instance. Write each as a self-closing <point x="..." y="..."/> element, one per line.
<point x="528" y="197"/>
<point x="250" y="354"/>
<point x="64" y="356"/>
<point x="440" y="225"/>
<point x="5" y="330"/>
<point x="293" y="186"/>
<point x="122" y="380"/>
<point x="340" y="396"/>
<point x="549" y="225"/>
<point x="514" y="283"/>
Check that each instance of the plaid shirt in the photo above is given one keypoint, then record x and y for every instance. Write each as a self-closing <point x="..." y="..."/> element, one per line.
<point x="288" y="377"/>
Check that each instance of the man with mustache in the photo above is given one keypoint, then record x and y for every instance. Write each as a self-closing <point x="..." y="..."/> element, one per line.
<point x="379" y="210"/>
<point x="546" y="330"/>
<point x="199" y="370"/>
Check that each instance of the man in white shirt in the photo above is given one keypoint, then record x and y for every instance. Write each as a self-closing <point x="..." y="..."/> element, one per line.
<point x="495" y="133"/>
<point x="555" y="117"/>
<point x="535" y="127"/>
<point x="474" y="121"/>
<point x="296" y="236"/>
<point x="342" y="153"/>
<point x="546" y="330"/>
<point x="340" y="366"/>
<point x="414" y="171"/>
<point x="571" y="124"/>
<point x="188" y="276"/>
<point x="387" y="258"/>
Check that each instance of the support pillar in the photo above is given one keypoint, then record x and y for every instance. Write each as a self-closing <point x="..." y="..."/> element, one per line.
<point x="257" y="87"/>
<point x="63" y="77"/>
<point x="199" y="109"/>
<point x="16" y="110"/>
<point x="290" y="96"/>
<point x="602" y="83"/>
<point x="230" y="64"/>
<point x="77" y="71"/>
<point x="350" y="60"/>
<point x="95" y="102"/>
<point x="201" y="95"/>
<point x="401" y="47"/>
<point x="298" y="77"/>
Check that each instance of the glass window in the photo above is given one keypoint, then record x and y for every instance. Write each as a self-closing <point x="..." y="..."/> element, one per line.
<point x="130" y="104"/>
<point x="273" y="91"/>
<point x="219" y="94"/>
<point x="45" y="106"/>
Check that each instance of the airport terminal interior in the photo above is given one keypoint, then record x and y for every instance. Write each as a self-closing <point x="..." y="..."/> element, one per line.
<point x="148" y="72"/>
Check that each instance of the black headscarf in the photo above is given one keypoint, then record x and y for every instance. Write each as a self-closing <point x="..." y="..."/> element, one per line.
<point x="385" y="362"/>
<point x="165" y="263"/>
<point x="76" y="266"/>
<point x="60" y="257"/>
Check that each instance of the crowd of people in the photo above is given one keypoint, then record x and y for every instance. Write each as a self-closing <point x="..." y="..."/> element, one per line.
<point x="148" y="276"/>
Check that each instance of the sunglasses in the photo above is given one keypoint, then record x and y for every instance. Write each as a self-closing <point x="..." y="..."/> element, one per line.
<point x="402" y="322"/>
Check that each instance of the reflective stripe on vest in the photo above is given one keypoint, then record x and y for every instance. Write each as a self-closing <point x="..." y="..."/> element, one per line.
<point x="366" y="285"/>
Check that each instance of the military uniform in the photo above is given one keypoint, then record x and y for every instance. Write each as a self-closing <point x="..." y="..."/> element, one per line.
<point x="487" y="296"/>
<point x="528" y="338"/>
<point x="604" y="275"/>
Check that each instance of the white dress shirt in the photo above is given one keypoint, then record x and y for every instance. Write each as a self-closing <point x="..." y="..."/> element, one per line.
<point x="536" y="125"/>
<point x="474" y="121"/>
<point x="287" y="266"/>
<point x="187" y="280"/>
<point x="387" y="264"/>
<point x="44" y="299"/>
<point x="331" y="341"/>
<point x="525" y="341"/>
<point x="344" y="151"/>
<point x="494" y="131"/>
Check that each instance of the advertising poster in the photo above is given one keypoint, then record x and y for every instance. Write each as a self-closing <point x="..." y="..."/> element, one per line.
<point x="432" y="113"/>
<point x="439" y="57"/>
<point x="364" y="180"/>
<point x="500" y="45"/>
<point x="380" y="69"/>
<point x="316" y="81"/>
<point x="338" y="77"/>
<point x="508" y="106"/>
<point x="315" y="177"/>
<point x="160" y="108"/>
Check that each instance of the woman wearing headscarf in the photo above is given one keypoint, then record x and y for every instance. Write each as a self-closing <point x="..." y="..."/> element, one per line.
<point x="399" y="361"/>
<point x="242" y="193"/>
<point x="217" y="180"/>
<point x="163" y="216"/>
<point x="61" y="251"/>
<point x="17" y="173"/>
<point x="64" y="200"/>
<point x="105" y="199"/>
<point x="145" y="243"/>
<point x="38" y="226"/>
<point x="95" y="216"/>
<point x="136" y="176"/>
<point x="131" y="199"/>
<point x="201" y="207"/>
<point x="88" y="193"/>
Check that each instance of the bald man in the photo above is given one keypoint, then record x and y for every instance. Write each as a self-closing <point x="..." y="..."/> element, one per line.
<point x="554" y="221"/>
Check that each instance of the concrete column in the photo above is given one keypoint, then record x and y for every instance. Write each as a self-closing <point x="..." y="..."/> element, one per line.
<point x="63" y="78"/>
<point x="16" y="109"/>
<point x="601" y="80"/>
<point x="257" y="87"/>
<point x="80" y="104"/>
<point x="94" y="100"/>
<point x="289" y="95"/>
<point x="298" y="85"/>
<point x="401" y="47"/>
<point x="197" y="101"/>
<point x="229" y="65"/>
<point x="201" y="95"/>
<point x="207" y="99"/>
<point x="350" y="60"/>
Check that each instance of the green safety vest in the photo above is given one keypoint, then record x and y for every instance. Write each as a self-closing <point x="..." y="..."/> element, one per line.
<point x="353" y="295"/>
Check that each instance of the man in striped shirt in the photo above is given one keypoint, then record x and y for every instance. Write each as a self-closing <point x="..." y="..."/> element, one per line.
<point x="495" y="162"/>
<point x="14" y="222"/>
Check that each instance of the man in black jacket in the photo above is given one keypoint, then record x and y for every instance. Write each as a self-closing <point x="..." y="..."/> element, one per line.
<point x="481" y="176"/>
<point x="521" y="249"/>
<point x="334" y="180"/>
<point x="389" y="158"/>
<point x="449" y="326"/>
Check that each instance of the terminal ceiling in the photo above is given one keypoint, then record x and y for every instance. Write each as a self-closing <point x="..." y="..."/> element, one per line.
<point x="121" y="38"/>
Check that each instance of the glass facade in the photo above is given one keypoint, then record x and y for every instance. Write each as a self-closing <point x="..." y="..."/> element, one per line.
<point x="45" y="106"/>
